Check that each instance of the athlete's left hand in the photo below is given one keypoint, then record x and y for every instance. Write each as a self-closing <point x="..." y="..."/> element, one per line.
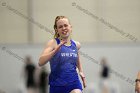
<point x="83" y="79"/>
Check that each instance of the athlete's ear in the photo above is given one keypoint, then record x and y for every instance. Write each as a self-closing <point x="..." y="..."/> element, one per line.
<point x="56" y="31"/>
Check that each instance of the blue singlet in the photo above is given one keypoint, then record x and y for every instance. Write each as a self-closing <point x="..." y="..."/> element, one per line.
<point x="63" y="77"/>
<point x="63" y="67"/>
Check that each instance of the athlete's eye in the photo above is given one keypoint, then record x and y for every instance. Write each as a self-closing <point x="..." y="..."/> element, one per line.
<point x="65" y="25"/>
<point x="60" y="26"/>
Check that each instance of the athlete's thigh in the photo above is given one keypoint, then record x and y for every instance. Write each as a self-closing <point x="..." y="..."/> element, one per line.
<point x="76" y="91"/>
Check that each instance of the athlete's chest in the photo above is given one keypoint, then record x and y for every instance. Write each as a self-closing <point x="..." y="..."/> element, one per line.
<point x="70" y="51"/>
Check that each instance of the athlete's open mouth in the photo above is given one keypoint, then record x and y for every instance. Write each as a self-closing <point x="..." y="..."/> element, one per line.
<point x="64" y="32"/>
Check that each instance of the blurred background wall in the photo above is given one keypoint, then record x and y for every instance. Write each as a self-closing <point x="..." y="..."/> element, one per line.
<point x="104" y="27"/>
<point x="123" y="61"/>
<point x="93" y="20"/>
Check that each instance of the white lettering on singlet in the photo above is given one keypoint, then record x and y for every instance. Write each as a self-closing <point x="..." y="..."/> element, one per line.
<point x="68" y="54"/>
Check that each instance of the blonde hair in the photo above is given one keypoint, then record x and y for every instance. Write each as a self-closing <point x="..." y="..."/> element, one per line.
<point x="56" y="35"/>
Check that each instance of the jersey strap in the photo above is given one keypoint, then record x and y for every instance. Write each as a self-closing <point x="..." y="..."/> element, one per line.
<point x="57" y="40"/>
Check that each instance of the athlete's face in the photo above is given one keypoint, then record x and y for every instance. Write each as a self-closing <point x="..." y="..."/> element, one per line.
<point x="64" y="28"/>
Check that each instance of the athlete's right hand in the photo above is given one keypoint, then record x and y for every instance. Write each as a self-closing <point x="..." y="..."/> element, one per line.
<point x="61" y="43"/>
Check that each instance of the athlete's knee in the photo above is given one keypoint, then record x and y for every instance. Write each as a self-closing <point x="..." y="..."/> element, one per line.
<point x="76" y="91"/>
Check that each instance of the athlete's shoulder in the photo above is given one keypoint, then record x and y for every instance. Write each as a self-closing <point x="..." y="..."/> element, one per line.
<point x="51" y="43"/>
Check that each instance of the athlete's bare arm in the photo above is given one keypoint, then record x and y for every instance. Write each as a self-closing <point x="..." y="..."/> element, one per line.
<point x="79" y="65"/>
<point x="49" y="51"/>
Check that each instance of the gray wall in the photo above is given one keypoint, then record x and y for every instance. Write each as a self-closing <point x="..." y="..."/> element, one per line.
<point x="93" y="20"/>
<point x="123" y="59"/>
